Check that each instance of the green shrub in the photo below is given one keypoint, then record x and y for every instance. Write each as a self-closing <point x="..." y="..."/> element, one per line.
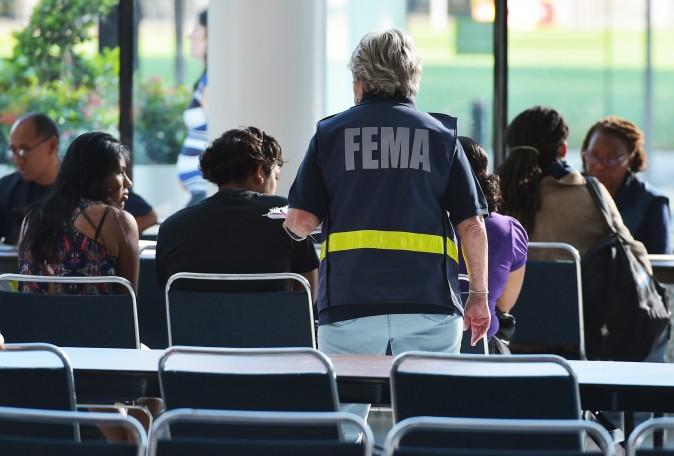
<point x="159" y="123"/>
<point x="51" y="71"/>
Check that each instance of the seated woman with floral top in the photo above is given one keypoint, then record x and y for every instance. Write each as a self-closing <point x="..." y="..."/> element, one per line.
<point x="81" y="229"/>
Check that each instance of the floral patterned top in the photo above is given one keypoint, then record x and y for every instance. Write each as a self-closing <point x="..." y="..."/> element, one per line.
<point x="78" y="255"/>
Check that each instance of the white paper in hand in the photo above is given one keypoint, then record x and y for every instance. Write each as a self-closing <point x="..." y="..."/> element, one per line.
<point x="281" y="213"/>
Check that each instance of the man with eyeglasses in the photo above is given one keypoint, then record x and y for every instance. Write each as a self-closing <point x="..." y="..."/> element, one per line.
<point x="33" y="144"/>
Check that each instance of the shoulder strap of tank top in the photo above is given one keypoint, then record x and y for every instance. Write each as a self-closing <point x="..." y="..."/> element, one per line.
<point x="100" y="224"/>
<point x="81" y="210"/>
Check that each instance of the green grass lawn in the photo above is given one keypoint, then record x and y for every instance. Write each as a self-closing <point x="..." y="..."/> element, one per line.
<point x="578" y="93"/>
<point x="584" y="74"/>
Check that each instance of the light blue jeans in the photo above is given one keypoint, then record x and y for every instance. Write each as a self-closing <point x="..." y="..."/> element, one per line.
<point x="405" y="332"/>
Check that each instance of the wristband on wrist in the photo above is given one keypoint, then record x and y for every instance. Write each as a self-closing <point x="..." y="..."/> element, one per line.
<point x="293" y="235"/>
<point x="480" y="292"/>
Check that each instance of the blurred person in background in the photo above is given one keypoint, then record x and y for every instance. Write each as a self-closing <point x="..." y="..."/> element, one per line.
<point x="34" y="146"/>
<point x="613" y="152"/>
<point x="195" y="119"/>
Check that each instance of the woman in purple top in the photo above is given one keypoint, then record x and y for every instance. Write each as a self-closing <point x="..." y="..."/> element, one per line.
<point x="507" y="242"/>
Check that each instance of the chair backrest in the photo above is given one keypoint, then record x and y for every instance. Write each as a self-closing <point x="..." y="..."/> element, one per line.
<point x="549" y="310"/>
<point x="645" y="429"/>
<point x="239" y="319"/>
<point x="151" y="304"/>
<point x="36" y="376"/>
<point x="161" y="443"/>
<point x="9" y="259"/>
<point x="280" y="379"/>
<point x="38" y="443"/>
<point x="286" y="380"/>
<point x="400" y="439"/>
<point x="104" y="321"/>
<point x="478" y="386"/>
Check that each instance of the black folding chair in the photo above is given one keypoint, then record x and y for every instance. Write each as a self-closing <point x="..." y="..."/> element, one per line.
<point x="475" y="386"/>
<point x="287" y="380"/>
<point x="39" y="444"/>
<point x="103" y="321"/>
<point x="8" y="259"/>
<point x="36" y="376"/>
<point x="635" y="442"/>
<point x="151" y="304"/>
<point x="395" y="444"/>
<point x="549" y="310"/>
<point x="239" y="319"/>
<point x="162" y="443"/>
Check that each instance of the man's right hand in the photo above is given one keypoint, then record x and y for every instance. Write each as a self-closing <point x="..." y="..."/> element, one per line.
<point x="300" y="222"/>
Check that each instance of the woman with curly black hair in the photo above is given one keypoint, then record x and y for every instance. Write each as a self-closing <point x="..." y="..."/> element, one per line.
<point x="228" y="232"/>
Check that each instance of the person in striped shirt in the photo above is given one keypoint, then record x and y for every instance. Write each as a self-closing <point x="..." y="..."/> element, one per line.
<point x="195" y="119"/>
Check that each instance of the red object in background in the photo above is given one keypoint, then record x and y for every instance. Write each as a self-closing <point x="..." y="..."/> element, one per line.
<point x="8" y="118"/>
<point x="548" y="16"/>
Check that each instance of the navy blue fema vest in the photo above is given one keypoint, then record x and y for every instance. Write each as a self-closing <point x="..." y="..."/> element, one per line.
<point x="388" y="245"/>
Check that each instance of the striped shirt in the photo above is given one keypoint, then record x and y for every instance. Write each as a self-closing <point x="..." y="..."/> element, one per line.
<point x="196" y="141"/>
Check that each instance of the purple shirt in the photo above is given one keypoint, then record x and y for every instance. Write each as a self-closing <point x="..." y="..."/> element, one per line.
<point x="507" y="241"/>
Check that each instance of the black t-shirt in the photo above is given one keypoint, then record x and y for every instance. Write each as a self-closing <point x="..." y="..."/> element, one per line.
<point x="228" y="233"/>
<point x="16" y="195"/>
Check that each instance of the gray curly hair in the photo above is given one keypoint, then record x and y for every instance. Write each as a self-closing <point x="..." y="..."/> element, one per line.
<point x="387" y="63"/>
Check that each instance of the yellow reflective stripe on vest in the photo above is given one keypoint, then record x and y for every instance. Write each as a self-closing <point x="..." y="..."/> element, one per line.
<point x="390" y="240"/>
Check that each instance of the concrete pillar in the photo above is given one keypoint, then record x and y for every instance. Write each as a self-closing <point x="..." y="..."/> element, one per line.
<point x="266" y="69"/>
<point x="439" y="16"/>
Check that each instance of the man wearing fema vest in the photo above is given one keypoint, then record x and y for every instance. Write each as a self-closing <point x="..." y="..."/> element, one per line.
<point x="389" y="183"/>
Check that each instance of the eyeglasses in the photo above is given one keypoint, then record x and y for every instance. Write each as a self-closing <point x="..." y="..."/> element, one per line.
<point x="607" y="162"/>
<point x="21" y="152"/>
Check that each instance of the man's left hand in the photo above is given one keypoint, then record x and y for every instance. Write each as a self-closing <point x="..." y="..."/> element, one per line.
<point x="477" y="317"/>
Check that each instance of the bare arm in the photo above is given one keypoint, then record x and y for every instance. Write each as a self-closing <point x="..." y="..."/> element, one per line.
<point x="300" y="222"/>
<point x="146" y="220"/>
<point x="473" y="236"/>
<point x="128" y="261"/>
<point x="312" y="278"/>
<point x="513" y="285"/>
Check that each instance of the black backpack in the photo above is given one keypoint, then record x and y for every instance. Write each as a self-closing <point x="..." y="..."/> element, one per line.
<point x="626" y="310"/>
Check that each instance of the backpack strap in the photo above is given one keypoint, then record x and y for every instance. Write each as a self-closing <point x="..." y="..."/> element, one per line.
<point x="598" y="198"/>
